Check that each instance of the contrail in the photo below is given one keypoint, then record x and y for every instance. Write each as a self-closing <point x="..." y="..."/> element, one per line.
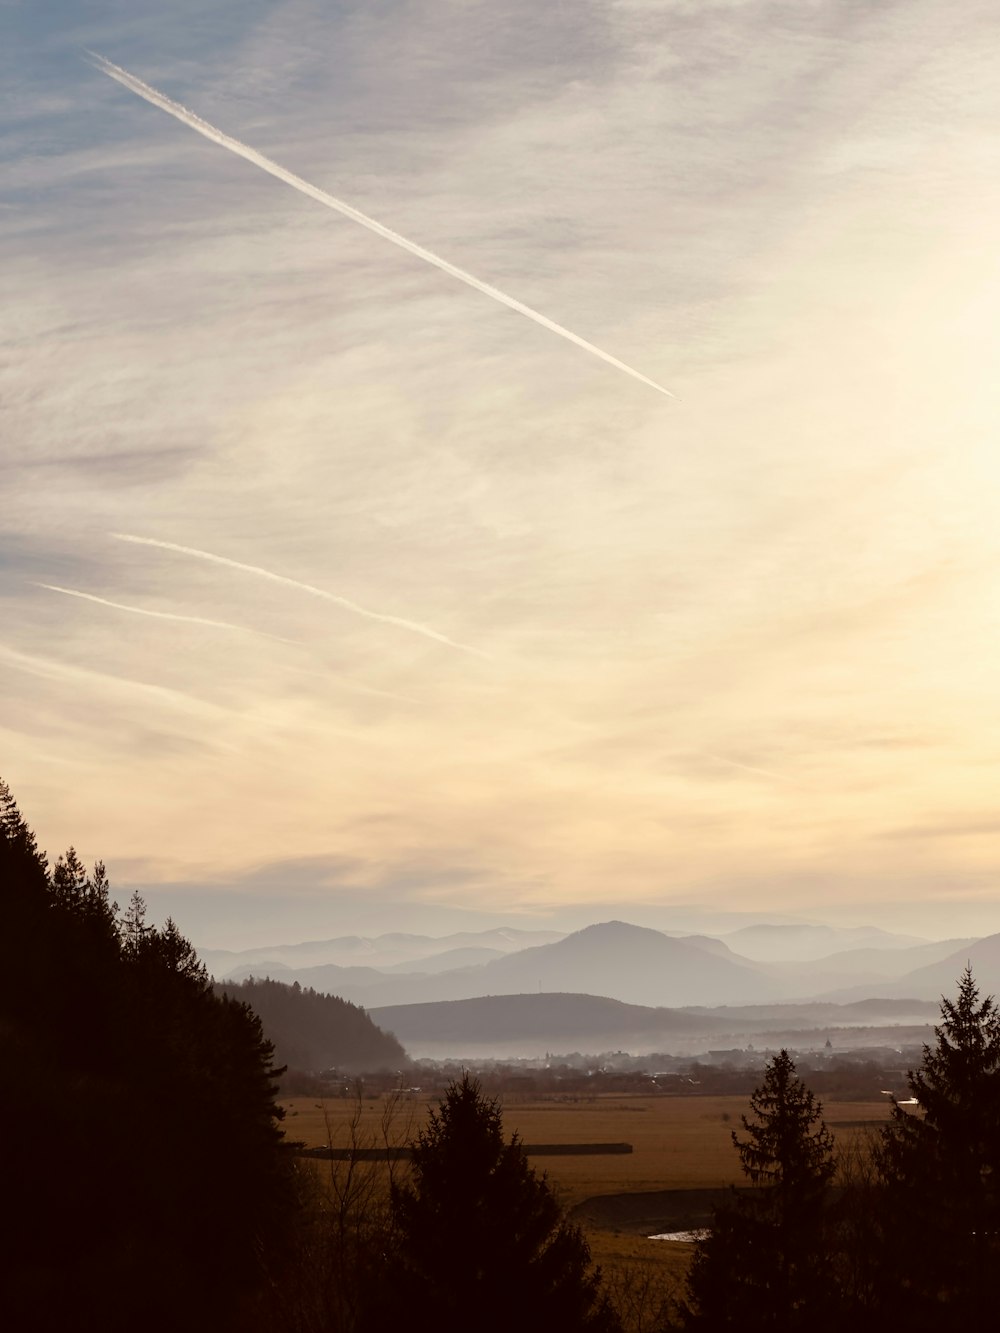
<point x="186" y="117"/>
<point x="749" y="768"/>
<point x="162" y="615"/>
<point x="413" y="625"/>
<point x="50" y="669"/>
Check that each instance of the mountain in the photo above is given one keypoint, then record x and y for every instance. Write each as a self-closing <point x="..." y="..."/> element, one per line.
<point x="799" y="942"/>
<point x="624" y="962"/>
<point x="633" y="964"/>
<point x="629" y="963"/>
<point x="941" y="977"/>
<point x="312" y="1032"/>
<point x="392" y="950"/>
<point x="857" y="972"/>
<point x="470" y="956"/>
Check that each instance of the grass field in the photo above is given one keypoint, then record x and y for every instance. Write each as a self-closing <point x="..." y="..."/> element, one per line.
<point x="679" y="1143"/>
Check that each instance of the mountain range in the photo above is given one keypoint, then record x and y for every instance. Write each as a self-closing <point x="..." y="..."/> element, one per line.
<point x="614" y="985"/>
<point x="633" y="964"/>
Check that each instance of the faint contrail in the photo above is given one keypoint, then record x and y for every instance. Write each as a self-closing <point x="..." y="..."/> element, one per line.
<point x="186" y="117"/>
<point x="163" y="615"/>
<point x="413" y="625"/>
<point x="50" y="669"/>
<point x="749" y="768"/>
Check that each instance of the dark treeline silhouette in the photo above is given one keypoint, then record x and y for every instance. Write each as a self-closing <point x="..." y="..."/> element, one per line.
<point x="312" y="1032"/>
<point x="145" y="1184"/>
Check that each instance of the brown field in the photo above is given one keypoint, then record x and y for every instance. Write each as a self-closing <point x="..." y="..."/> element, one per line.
<point x="679" y="1143"/>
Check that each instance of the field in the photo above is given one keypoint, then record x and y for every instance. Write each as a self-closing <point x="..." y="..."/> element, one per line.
<point x="679" y="1143"/>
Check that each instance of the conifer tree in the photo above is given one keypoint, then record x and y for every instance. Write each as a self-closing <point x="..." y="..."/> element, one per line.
<point x="940" y="1167"/>
<point x="480" y="1238"/>
<point x="765" y="1262"/>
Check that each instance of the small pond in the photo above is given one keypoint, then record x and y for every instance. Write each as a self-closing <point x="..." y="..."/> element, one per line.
<point x="689" y="1236"/>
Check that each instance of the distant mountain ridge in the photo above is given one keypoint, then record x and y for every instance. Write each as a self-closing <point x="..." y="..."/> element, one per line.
<point x="382" y="951"/>
<point x="938" y="978"/>
<point x="633" y="964"/>
<point x="801" y="942"/>
<point x="630" y="963"/>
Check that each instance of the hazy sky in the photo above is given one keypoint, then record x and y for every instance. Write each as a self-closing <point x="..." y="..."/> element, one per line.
<point x="563" y="641"/>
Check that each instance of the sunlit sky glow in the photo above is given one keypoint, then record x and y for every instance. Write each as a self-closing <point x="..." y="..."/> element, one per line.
<point x="492" y="628"/>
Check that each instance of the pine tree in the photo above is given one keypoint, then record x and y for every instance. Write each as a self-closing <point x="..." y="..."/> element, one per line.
<point x="940" y="1167"/>
<point x="765" y="1262"/>
<point x="480" y="1237"/>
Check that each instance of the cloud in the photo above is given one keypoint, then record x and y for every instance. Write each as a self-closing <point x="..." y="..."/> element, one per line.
<point x="794" y="207"/>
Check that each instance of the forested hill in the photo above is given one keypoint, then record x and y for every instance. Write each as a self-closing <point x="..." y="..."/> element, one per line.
<point x="311" y="1032"/>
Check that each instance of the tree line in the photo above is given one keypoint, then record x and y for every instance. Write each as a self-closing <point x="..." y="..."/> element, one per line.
<point x="147" y="1182"/>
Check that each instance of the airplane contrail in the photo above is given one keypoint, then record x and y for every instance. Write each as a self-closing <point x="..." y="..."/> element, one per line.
<point x="162" y="615"/>
<point x="217" y="136"/>
<point x="413" y="626"/>
<point x="50" y="669"/>
<point x="749" y="768"/>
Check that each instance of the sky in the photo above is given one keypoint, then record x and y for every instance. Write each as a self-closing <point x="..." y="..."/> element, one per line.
<point x="336" y="595"/>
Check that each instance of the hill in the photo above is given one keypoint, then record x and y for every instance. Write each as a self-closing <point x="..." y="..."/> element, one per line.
<point x="312" y="1032"/>
<point x="529" y="1025"/>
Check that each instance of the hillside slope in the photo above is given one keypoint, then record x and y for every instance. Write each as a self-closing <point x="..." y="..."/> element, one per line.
<point x="313" y="1032"/>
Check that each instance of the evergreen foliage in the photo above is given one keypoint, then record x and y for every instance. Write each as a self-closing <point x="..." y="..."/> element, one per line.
<point x="766" y="1262"/>
<point x="479" y="1237"/>
<point x="940" y="1171"/>
<point x="145" y="1183"/>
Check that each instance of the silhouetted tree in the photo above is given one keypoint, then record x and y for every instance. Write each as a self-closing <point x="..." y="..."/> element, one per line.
<point x="144" y="1180"/>
<point x="480" y="1238"/>
<point x="940" y="1167"/>
<point x="765" y="1263"/>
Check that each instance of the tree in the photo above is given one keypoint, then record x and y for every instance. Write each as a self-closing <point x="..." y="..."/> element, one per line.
<point x="940" y="1170"/>
<point x="145" y="1104"/>
<point x="480" y="1238"/>
<point x="764" y="1264"/>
